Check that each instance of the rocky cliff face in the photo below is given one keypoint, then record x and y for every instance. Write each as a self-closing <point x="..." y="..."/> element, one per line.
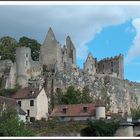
<point x="123" y="94"/>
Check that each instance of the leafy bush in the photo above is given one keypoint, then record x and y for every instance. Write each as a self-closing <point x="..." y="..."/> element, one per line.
<point x="100" y="128"/>
<point x="135" y="112"/>
<point x="10" y="124"/>
<point x="9" y="92"/>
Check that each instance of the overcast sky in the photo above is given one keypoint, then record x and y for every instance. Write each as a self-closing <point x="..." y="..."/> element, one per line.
<point x="91" y="28"/>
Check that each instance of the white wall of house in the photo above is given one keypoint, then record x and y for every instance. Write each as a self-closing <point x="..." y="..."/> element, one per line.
<point x="40" y="108"/>
<point x="25" y="105"/>
<point x="42" y="105"/>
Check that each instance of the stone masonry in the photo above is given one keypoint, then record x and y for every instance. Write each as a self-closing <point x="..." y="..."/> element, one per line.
<point x="62" y="72"/>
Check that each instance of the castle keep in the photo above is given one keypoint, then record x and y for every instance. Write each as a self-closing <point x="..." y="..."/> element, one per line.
<point x="61" y="59"/>
<point x="52" y="54"/>
<point x="61" y="72"/>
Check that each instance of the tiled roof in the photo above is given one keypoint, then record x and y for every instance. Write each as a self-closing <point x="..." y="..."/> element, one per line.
<point x="11" y="104"/>
<point x="26" y="93"/>
<point x="74" y="110"/>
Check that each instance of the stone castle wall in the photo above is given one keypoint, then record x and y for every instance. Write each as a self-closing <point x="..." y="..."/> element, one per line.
<point x="48" y="52"/>
<point x="90" y="64"/>
<point x="96" y="74"/>
<point x="7" y="74"/>
<point x="111" y="66"/>
<point x="71" y="51"/>
<point x="123" y="94"/>
<point x="52" y="53"/>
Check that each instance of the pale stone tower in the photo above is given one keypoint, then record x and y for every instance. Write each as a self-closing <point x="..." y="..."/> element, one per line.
<point x="71" y="51"/>
<point x="90" y="64"/>
<point x="121" y="67"/>
<point x="50" y="53"/>
<point x="64" y="57"/>
<point x="23" y="65"/>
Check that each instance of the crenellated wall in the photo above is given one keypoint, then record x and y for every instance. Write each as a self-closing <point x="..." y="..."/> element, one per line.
<point x="112" y="66"/>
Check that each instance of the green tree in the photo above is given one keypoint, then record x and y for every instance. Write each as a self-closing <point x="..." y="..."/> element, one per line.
<point x="33" y="44"/>
<point x="100" y="128"/>
<point x="71" y="96"/>
<point x="85" y="95"/>
<point x="58" y="96"/>
<point x="10" y="124"/>
<point x="8" y="46"/>
<point x="9" y="92"/>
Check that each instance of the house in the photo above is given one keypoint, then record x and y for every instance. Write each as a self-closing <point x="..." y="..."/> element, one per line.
<point x="78" y="112"/>
<point x="33" y="101"/>
<point x="9" y="103"/>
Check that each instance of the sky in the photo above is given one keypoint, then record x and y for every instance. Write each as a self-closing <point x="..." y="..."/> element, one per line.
<point x="103" y="30"/>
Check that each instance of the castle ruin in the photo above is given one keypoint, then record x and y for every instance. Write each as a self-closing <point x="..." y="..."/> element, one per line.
<point x="62" y="72"/>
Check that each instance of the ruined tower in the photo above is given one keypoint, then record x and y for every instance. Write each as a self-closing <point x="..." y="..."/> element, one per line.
<point x="64" y="58"/>
<point x="23" y="65"/>
<point x="112" y="66"/>
<point x="71" y="51"/>
<point x="90" y="64"/>
<point x="50" y="53"/>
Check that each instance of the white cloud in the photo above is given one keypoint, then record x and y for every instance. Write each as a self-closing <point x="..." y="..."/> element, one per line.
<point x="134" y="50"/>
<point x="82" y="23"/>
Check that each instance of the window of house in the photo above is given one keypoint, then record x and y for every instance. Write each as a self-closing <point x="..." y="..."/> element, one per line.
<point x="28" y="112"/>
<point x="31" y="102"/>
<point x="85" y="109"/>
<point x="19" y="103"/>
<point x="26" y="63"/>
<point x="26" y="54"/>
<point x="64" y="110"/>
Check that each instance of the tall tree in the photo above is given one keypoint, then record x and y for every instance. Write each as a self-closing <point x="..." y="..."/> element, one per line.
<point x="85" y="95"/>
<point x="33" y="44"/>
<point x="71" y="96"/>
<point x="8" y="46"/>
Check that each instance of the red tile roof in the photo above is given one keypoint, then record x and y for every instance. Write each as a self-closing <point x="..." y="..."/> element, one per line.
<point x="74" y="110"/>
<point x="26" y="93"/>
